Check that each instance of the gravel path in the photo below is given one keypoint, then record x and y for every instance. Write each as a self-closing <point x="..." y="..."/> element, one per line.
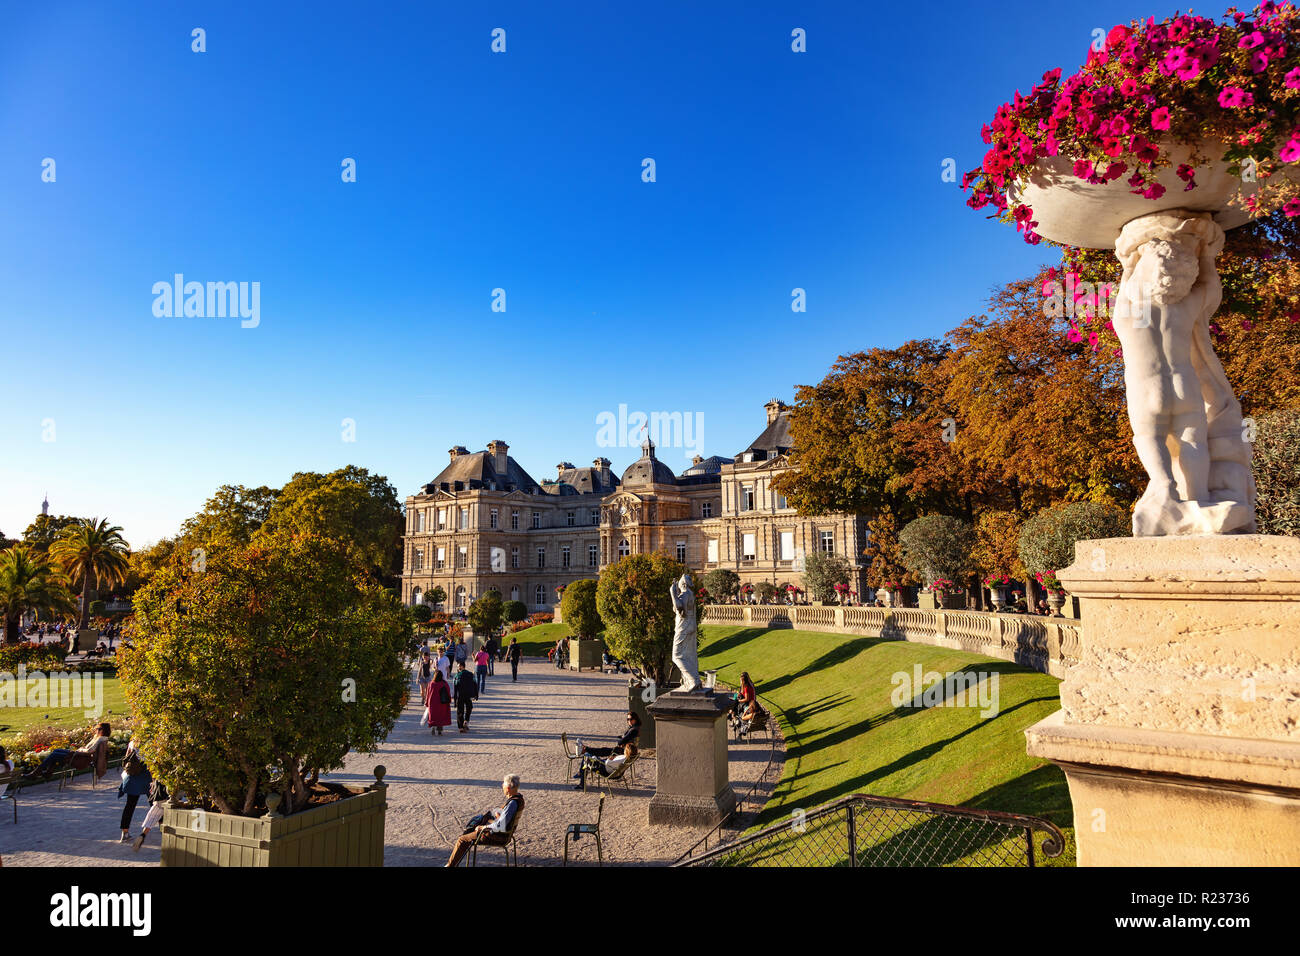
<point x="436" y="783"/>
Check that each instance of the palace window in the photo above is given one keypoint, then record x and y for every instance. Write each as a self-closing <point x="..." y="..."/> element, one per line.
<point x="713" y="551"/>
<point x="442" y="557"/>
<point x="462" y="558"/>
<point x="492" y="518"/>
<point x="781" y="501"/>
<point x="828" y="542"/>
<point x="539" y="596"/>
<point x="747" y="546"/>
<point x="623" y="549"/>
<point x="564" y="556"/>
<point x="537" y="519"/>
<point x="541" y="557"/>
<point x="514" y="519"/>
<point x="747" y="498"/>
<point x="595" y="516"/>
<point x="460" y="597"/>
<point x="593" y="555"/>
<point x="514" y="558"/>
<point x="514" y="593"/>
<point x="572" y="517"/>
<point x="706" y="509"/>
<point x="681" y="551"/>
<point x="442" y="518"/>
<point x="417" y="597"/>
<point x="419" y="559"/>
<point x="787" y="545"/>
<point x="419" y="521"/>
<point x="464" y="518"/>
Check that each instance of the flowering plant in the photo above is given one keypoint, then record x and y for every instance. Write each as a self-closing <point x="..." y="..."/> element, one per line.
<point x="1186" y="81"/>
<point x="1050" y="582"/>
<point x="997" y="581"/>
<point x="890" y="586"/>
<point x="746" y="588"/>
<point x="943" y="584"/>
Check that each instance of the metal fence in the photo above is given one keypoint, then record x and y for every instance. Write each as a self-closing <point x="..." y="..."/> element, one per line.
<point x="862" y="830"/>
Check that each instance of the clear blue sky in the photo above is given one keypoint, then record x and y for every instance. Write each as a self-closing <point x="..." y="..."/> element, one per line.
<point x="475" y="171"/>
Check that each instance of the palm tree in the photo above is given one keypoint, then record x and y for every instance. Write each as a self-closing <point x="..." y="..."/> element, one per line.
<point x="93" y="552"/>
<point x="28" y="582"/>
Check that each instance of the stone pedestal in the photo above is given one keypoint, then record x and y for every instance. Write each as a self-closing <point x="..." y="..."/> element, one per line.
<point x="1179" y="728"/>
<point x="691" y="752"/>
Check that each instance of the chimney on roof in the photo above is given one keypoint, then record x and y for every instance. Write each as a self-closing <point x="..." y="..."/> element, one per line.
<point x="497" y="449"/>
<point x="602" y="466"/>
<point x="697" y="459"/>
<point x="457" y="450"/>
<point x="774" y="408"/>
<point x="562" y="467"/>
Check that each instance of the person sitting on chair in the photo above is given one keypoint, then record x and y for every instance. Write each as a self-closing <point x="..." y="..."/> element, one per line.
<point x="752" y="717"/>
<point x="630" y="736"/>
<point x="605" y="766"/>
<point x="59" y="757"/>
<point x="491" y="826"/>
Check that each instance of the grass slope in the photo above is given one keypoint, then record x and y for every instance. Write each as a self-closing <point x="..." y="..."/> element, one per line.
<point x="844" y="735"/>
<point x="535" y="641"/>
<point x="16" y="719"/>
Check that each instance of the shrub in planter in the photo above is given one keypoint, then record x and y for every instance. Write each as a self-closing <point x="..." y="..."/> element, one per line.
<point x="937" y="547"/>
<point x="766" y="591"/>
<point x="578" y="609"/>
<point x="513" y="611"/>
<point x="263" y="671"/>
<point x="485" y="613"/>
<point x="822" y="571"/>
<point x="722" y="583"/>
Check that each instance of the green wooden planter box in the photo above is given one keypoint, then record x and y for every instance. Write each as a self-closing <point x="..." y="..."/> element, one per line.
<point x="585" y="653"/>
<point x="348" y="832"/>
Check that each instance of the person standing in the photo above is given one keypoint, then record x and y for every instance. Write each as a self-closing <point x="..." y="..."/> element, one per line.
<point x="512" y="654"/>
<point x="135" y="784"/>
<point x="437" y="700"/>
<point x="444" y="664"/>
<point x="461" y="654"/>
<point x="466" y="689"/>
<point x="482" y="661"/>
<point x="424" y="674"/>
<point x="490" y="646"/>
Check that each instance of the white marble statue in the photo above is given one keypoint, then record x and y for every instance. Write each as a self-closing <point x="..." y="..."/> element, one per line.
<point x="685" y="636"/>
<point x="1187" y="424"/>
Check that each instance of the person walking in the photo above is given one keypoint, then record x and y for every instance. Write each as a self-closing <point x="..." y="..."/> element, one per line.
<point x="444" y="664"/>
<point x="461" y="651"/>
<point x="135" y="784"/>
<point x="482" y="661"/>
<point x="437" y="703"/>
<point x="158" y="798"/>
<point x="490" y="646"/>
<point x="466" y="689"/>
<point x="424" y="674"/>
<point x="512" y="654"/>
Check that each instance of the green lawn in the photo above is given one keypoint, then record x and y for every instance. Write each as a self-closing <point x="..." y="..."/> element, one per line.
<point x="844" y="735"/>
<point x="535" y="641"/>
<point x="17" y="719"/>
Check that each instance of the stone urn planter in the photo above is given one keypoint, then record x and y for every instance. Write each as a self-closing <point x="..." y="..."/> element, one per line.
<point x="346" y="832"/>
<point x="1055" y="601"/>
<point x="1001" y="597"/>
<point x="1200" y="472"/>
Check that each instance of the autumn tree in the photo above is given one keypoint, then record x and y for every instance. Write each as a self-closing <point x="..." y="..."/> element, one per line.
<point x="997" y="545"/>
<point x="885" y="552"/>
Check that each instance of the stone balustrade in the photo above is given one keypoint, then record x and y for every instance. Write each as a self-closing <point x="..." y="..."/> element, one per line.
<point x="1048" y="645"/>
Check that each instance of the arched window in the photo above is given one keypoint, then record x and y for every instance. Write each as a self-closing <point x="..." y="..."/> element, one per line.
<point x="417" y="596"/>
<point x="460" y="597"/>
<point x="623" y="549"/>
<point x="540" y="596"/>
<point x="514" y="594"/>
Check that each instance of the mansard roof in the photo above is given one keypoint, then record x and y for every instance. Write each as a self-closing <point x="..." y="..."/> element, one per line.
<point x="583" y="481"/>
<point x="772" y="443"/>
<point x="707" y="466"/>
<point x="475" y="470"/>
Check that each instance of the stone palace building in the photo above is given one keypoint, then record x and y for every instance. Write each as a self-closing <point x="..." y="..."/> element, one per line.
<point x="484" y="523"/>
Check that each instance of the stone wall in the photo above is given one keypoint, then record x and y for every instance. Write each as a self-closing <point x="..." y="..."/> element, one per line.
<point x="1048" y="645"/>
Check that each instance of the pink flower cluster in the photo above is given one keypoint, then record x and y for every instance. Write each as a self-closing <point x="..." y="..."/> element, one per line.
<point x="1185" y="80"/>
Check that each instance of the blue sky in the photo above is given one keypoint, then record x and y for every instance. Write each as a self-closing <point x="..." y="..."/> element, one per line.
<point x="476" y="170"/>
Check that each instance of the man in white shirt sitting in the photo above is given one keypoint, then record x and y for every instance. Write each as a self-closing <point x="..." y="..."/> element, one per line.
<point x="494" y="825"/>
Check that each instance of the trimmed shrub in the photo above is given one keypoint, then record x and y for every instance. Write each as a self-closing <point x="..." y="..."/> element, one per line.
<point x="1047" y="539"/>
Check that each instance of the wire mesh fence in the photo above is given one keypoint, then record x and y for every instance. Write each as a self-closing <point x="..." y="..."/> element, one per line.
<point x="862" y="830"/>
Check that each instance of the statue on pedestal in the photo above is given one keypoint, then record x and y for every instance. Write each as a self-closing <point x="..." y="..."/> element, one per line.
<point x="1187" y="424"/>
<point x="685" y="635"/>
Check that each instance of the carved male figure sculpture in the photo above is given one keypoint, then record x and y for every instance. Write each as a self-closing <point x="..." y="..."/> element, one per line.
<point x="685" y="636"/>
<point x="1186" y="421"/>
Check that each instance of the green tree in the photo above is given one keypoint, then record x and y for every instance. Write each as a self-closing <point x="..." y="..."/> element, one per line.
<point x="229" y="519"/>
<point x="722" y="584"/>
<point x="349" y="505"/>
<point x="512" y="612"/>
<point x="91" y="552"/>
<point x="29" y="582"/>
<point x="938" y="546"/>
<point x="264" y="670"/>
<point x="485" y="613"/>
<point x="144" y="563"/>
<point x="822" y="570"/>
<point x="437" y="596"/>
<point x="766" y="591"/>
<point x="421" y="613"/>
<point x="1047" y="539"/>
<point x="633" y="599"/>
<point x="1276" y="462"/>
<point x="578" y="608"/>
<point x="43" y="532"/>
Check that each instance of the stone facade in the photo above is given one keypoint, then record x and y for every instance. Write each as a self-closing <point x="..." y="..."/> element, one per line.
<point x="484" y="523"/>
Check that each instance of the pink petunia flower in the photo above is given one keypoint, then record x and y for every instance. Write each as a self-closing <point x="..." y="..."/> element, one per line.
<point x="1292" y="79"/>
<point x="1292" y="207"/>
<point x="1290" y="152"/>
<point x="1233" y="97"/>
<point x="1160" y="118"/>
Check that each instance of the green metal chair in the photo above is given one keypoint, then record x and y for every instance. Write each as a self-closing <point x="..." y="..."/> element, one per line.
<point x="578" y="830"/>
<point x="570" y="754"/>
